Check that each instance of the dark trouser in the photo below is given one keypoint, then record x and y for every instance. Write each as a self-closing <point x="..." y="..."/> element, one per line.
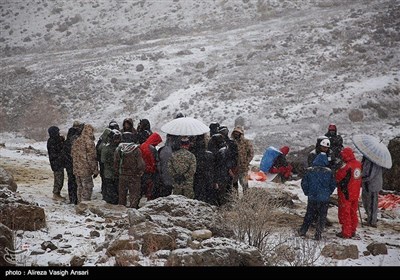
<point x="242" y="180"/>
<point x="150" y="188"/>
<point x="131" y="183"/>
<point x="222" y="193"/>
<point x="58" y="181"/>
<point x="72" y="187"/>
<point x="110" y="191"/>
<point x="315" y="208"/>
<point x="165" y="190"/>
<point x="370" y="203"/>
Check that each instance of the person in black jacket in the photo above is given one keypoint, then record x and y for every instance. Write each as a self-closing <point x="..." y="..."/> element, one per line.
<point x="55" y="145"/>
<point x="73" y="133"/>
<point x="204" y="176"/>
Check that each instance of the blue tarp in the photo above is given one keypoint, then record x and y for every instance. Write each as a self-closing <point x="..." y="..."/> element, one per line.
<point x="270" y="154"/>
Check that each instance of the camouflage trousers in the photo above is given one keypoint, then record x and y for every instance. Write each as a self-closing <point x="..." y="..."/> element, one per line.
<point x="243" y="180"/>
<point x="85" y="188"/>
<point x="58" y="181"/>
<point x="131" y="184"/>
<point x="185" y="190"/>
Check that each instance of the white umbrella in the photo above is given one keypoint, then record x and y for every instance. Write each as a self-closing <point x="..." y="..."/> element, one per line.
<point x="373" y="149"/>
<point x="185" y="126"/>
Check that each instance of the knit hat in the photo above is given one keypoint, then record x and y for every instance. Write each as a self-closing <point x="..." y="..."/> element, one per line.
<point x="76" y="124"/>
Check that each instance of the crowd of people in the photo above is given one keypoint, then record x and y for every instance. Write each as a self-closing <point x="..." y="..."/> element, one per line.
<point x="131" y="164"/>
<point x="333" y="166"/>
<point x="206" y="167"/>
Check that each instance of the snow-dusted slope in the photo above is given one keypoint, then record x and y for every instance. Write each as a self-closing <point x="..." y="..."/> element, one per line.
<point x="289" y="67"/>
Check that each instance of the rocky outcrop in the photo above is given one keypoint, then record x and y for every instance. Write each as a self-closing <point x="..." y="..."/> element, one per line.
<point x="17" y="213"/>
<point x="175" y="230"/>
<point x="7" y="180"/>
<point x="340" y="252"/>
<point x="6" y="246"/>
<point x="377" y="249"/>
<point x="217" y="251"/>
<point x="391" y="177"/>
<point x="298" y="159"/>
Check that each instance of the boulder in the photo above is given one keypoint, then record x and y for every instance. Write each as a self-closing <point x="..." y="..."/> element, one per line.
<point x="18" y="214"/>
<point x="177" y="210"/>
<point x="391" y="176"/>
<point x="135" y="217"/>
<point x="356" y="115"/>
<point x="217" y="251"/>
<point x="77" y="261"/>
<point x="7" y="180"/>
<point x="102" y="209"/>
<point x="127" y="258"/>
<point x="340" y="252"/>
<point x="6" y="246"/>
<point x="125" y="242"/>
<point x="201" y="234"/>
<point x="376" y="248"/>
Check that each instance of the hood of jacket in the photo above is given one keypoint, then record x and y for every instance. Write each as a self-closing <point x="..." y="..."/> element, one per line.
<point x="321" y="160"/>
<point x="347" y="154"/>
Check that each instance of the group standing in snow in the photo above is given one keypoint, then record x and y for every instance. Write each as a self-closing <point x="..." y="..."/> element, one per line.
<point x="206" y="167"/>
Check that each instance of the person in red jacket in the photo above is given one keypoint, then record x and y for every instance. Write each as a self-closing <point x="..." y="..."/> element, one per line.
<point x="348" y="179"/>
<point x="150" y="177"/>
<point x="281" y="166"/>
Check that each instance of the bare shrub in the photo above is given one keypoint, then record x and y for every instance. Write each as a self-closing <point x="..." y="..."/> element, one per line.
<point x="250" y="215"/>
<point x="256" y="218"/>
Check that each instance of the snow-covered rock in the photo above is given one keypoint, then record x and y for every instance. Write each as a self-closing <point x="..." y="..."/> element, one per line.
<point x="6" y="245"/>
<point x="7" y="180"/>
<point x="217" y="251"/>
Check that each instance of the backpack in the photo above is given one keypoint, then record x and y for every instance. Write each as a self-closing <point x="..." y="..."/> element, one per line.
<point x="124" y="151"/>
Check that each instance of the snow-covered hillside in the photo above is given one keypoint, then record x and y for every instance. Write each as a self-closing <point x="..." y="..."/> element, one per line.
<point x="288" y="67"/>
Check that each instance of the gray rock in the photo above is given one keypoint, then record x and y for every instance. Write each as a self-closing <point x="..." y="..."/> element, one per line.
<point x="94" y="233"/>
<point x="356" y="115"/>
<point x="201" y="234"/>
<point x="135" y="217"/>
<point x="7" y="179"/>
<point x="139" y="68"/>
<point x="217" y="252"/>
<point x="17" y="214"/>
<point x="123" y="243"/>
<point x="376" y="248"/>
<point x="38" y="252"/>
<point x="77" y="260"/>
<point x="127" y="257"/>
<point x="340" y="252"/>
<point x="48" y="245"/>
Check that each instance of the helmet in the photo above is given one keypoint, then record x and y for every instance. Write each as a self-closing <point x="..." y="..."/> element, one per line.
<point x="325" y="143"/>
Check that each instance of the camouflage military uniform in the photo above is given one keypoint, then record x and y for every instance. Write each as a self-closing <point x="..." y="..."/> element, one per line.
<point x="84" y="162"/>
<point x="129" y="165"/>
<point x="182" y="162"/>
<point x="245" y="155"/>
<point x="110" y="189"/>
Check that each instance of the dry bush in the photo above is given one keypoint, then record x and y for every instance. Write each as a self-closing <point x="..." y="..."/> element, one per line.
<point x="253" y="219"/>
<point x="249" y="216"/>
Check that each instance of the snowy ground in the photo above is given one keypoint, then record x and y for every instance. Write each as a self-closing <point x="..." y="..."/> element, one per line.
<point x="34" y="179"/>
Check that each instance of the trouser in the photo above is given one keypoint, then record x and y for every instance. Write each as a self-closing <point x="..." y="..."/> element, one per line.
<point x="110" y="191"/>
<point x="370" y="203"/>
<point x="150" y="188"/>
<point x="242" y="179"/>
<point x="72" y="187"/>
<point x="58" y="181"/>
<point x="85" y="188"/>
<point x="222" y="193"/>
<point x="131" y="184"/>
<point x="185" y="190"/>
<point x="348" y="217"/>
<point x="315" y="208"/>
